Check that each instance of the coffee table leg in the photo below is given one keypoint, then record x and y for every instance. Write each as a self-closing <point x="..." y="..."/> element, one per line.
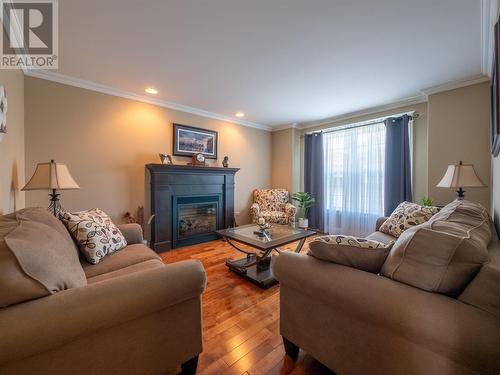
<point x="299" y="245"/>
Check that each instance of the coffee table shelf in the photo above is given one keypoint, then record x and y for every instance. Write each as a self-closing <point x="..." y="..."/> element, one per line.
<point x="257" y="266"/>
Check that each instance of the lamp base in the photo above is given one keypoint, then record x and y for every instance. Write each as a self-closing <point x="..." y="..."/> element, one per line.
<point x="55" y="205"/>
<point x="460" y="194"/>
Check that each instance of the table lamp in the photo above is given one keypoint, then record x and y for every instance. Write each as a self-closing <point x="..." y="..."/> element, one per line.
<point x="460" y="176"/>
<point x="52" y="176"/>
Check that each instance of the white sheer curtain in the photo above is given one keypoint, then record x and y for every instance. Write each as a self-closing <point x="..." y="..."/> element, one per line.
<point x="354" y="179"/>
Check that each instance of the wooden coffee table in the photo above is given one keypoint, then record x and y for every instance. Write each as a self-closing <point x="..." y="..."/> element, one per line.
<point x="256" y="266"/>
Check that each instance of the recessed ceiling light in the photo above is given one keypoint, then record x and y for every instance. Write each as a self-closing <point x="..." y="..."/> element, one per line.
<point x="151" y="90"/>
<point x="239" y="114"/>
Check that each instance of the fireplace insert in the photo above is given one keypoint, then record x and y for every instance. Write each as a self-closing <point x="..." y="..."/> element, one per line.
<point x="196" y="218"/>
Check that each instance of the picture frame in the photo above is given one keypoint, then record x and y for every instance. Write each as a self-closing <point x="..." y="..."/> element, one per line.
<point x="495" y="97"/>
<point x="189" y="140"/>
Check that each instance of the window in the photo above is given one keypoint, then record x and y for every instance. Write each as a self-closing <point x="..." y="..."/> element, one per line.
<point x="354" y="178"/>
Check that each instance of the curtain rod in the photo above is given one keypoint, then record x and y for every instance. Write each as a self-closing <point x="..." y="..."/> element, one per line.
<point x="412" y="116"/>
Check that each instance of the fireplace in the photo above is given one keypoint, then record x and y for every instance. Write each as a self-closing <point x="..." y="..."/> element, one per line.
<point x="187" y="204"/>
<point x="195" y="219"/>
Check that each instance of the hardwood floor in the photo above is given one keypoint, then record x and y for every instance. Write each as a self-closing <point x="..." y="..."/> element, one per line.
<point x="241" y="321"/>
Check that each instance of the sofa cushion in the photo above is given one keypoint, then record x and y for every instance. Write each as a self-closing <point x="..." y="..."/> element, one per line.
<point x="364" y="254"/>
<point x="37" y="257"/>
<point x="405" y="216"/>
<point x="444" y="254"/>
<point x="381" y="237"/>
<point x="95" y="233"/>
<point x="138" y="267"/>
<point x="130" y="255"/>
<point x="277" y="217"/>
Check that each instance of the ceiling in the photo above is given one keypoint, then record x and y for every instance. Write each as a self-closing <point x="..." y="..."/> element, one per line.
<point x="280" y="61"/>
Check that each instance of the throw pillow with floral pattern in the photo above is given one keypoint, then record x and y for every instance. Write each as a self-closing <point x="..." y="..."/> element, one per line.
<point x="95" y="233"/>
<point x="405" y="216"/>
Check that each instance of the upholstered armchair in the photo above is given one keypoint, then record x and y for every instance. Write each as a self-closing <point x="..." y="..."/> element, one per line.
<point x="273" y="205"/>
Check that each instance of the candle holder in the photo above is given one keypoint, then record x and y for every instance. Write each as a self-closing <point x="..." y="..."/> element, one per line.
<point x="263" y="230"/>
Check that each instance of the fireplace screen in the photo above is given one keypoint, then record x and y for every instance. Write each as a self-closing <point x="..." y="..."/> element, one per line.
<point x="196" y="218"/>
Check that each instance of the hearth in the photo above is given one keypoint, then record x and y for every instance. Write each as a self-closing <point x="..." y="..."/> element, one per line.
<point x="187" y="204"/>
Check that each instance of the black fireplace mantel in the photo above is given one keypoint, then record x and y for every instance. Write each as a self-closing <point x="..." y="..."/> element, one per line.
<point x="166" y="183"/>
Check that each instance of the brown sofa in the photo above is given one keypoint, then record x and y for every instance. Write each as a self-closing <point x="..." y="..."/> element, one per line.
<point x="135" y="315"/>
<point x="357" y="322"/>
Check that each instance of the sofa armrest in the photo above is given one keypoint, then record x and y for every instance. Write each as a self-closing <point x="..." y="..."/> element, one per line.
<point x="255" y="212"/>
<point x="40" y="325"/>
<point x="290" y="210"/>
<point x="431" y="320"/>
<point x="379" y="222"/>
<point x="132" y="233"/>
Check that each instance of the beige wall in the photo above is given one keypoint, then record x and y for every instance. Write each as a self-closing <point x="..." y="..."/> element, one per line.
<point x="12" y="143"/>
<point x="419" y="139"/>
<point x="107" y="140"/>
<point x="285" y="159"/>
<point x="459" y="130"/>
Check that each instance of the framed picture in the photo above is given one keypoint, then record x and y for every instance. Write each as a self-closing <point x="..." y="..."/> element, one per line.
<point x="189" y="140"/>
<point x="495" y="107"/>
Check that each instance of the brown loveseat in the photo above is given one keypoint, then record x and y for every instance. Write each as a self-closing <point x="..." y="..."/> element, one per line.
<point x="135" y="315"/>
<point x="357" y="322"/>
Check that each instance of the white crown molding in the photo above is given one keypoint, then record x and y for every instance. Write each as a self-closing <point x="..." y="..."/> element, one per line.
<point x="480" y="78"/>
<point x="293" y="125"/>
<point x="489" y="13"/>
<point x="367" y="111"/>
<point x="93" y="86"/>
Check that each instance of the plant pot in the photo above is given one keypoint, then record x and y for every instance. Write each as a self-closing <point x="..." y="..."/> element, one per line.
<point x="303" y="223"/>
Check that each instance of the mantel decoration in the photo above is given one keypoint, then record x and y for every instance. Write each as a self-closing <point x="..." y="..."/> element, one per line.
<point x="189" y="141"/>
<point x="3" y="112"/>
<point x="52" y="176"/>
<point x="165" y="159"/>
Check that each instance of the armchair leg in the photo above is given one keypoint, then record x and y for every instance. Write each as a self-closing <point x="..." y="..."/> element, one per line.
<point x="189" y="367"/>
<point x="291" y="349"/>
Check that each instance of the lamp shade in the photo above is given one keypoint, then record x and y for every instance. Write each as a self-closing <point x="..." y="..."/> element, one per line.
<point x="460" y="176"/>
<point x="53" y="176"/>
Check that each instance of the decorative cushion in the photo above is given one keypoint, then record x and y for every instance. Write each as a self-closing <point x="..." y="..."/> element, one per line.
<point x="405" y="216"/>
<point x="444" y="254"/>
<point x="276" y="217"/>
<point x="271" y="199"/>
<point x="95" y="233"/>
<point x="37" y="257"/>
<point x="361" y="253"/>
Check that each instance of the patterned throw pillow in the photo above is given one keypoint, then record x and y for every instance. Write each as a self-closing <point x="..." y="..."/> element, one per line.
<point x="361" y="253"/>
<point x="405" y="216"/>
<point x="95" y="233"/>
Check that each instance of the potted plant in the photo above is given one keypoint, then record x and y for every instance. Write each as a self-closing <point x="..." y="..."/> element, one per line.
<point x="305" y="202"/>
<point x="427" y="202"/>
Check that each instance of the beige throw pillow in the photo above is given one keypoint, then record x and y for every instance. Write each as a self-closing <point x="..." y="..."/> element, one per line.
<point x="360" y="253"/>
<point x="95" y="233"/>
<point x="405" y="216"/>
<point x="444" y="254"/>
<point x="37" y="257"/>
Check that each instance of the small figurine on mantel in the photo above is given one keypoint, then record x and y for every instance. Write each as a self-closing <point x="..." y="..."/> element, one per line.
<point x="225" y="162"/>
<point x="165" y="159"/>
